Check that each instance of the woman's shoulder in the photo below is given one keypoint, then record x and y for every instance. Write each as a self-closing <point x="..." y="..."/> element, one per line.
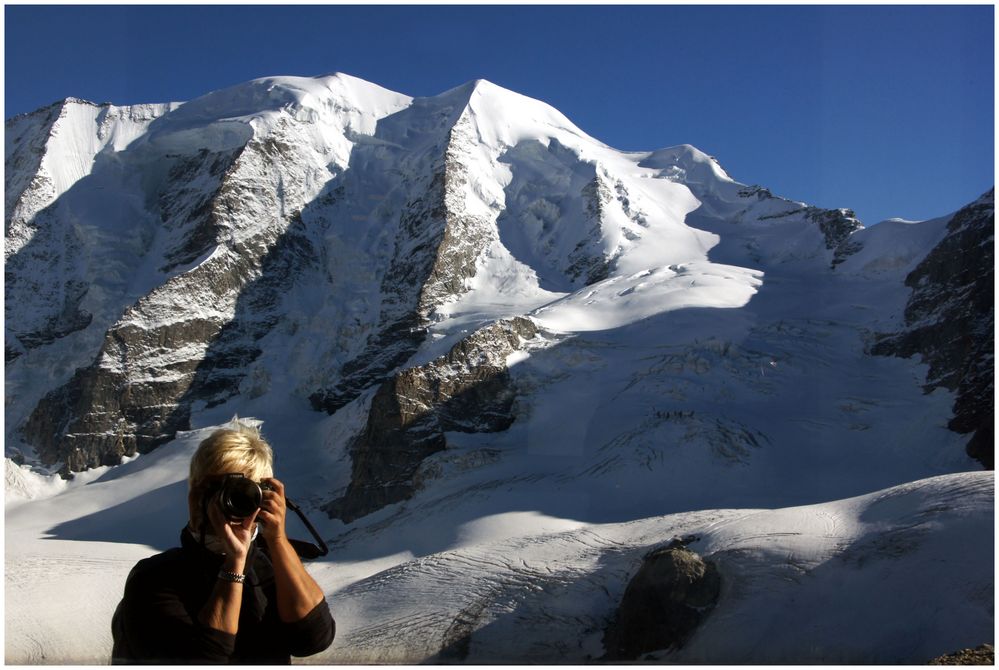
<point x="157" y="568"/>
<point x="157" y="561"/>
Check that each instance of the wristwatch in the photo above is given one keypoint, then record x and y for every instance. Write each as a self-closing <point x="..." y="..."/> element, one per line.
<point x="233" y="577"/>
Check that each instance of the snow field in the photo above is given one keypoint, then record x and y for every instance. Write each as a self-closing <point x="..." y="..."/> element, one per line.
<point x="531" y="587"/>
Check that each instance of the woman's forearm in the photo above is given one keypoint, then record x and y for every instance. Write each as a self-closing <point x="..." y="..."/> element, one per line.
<point x="297" y="592"/>
<point x="221" y="612"/>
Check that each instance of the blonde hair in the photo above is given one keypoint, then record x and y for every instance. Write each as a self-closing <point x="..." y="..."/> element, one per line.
<point x="241" y="449"/>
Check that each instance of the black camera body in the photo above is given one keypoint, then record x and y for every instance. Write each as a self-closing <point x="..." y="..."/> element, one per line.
<point x="240" y="496"/>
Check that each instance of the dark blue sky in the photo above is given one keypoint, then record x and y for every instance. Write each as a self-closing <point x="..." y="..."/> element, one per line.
<point x="888" y="110"/>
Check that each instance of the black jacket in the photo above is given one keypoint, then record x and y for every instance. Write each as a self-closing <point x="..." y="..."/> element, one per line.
<point x="157" y="619"/>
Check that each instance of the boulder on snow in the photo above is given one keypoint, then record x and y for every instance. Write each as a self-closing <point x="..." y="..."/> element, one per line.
<point x="671" y="594"/>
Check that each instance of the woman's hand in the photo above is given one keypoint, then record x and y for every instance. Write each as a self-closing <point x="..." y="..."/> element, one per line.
<point x="235" y="535"/>
<point x="273" y="510"/>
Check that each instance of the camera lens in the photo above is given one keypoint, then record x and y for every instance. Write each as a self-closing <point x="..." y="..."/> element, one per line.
<point x="240" y="497"/>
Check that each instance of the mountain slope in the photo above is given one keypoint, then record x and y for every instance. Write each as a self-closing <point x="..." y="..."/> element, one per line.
<point x="420" y="218"/>
<point x="949" y="321"/>
<point x="211" y="250"/>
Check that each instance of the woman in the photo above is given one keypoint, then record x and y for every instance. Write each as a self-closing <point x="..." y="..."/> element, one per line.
<point x="220" y="598"/>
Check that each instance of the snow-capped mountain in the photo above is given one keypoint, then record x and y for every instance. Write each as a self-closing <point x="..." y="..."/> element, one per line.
<point x="469" y="329"/>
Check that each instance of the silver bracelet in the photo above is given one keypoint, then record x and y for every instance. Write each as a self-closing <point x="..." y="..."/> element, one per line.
<point x="233" y="577"/>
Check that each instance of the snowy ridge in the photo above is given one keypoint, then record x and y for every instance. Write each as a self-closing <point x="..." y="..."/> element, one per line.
<point x="69" y="142"/>
<point x="538" y="170"/>
<point x="619" y="301"/>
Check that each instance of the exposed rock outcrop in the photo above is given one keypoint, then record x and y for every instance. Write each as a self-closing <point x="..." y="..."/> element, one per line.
<point x="469" y="389"/>
<point x="836" y="225"/>
<point x="981" y="655"/>
<point x="949" y="321"/>
<point x="588" y="264"/>
<point x="668" y="598"/>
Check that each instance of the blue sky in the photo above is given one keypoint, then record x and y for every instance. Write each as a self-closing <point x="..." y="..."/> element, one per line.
<point x="888" y="110"/>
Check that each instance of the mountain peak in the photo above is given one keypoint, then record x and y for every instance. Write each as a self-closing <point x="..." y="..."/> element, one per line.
<point x="465" y="92"/>
<point x="472" y="86"/>
<point x="686" y="160"/>
<point x="506" y="117"/>
<point x="310" y="98"/>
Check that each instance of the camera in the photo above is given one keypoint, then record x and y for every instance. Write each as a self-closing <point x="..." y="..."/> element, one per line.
<point x="239" y="496"/>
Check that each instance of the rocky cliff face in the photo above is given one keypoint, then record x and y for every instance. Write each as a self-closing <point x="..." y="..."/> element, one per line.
<point x="224" y="240"/>
<point x="177" y="344"/>
<point x="468" y="390"/>
<point x="836" y="225"/>
<point x="981" y="655"/>
<point x="950" y="320"/>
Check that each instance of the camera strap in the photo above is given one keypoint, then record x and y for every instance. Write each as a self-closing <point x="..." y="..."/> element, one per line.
<point x="204" y="520"/>
<point x="306" y="550"/>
